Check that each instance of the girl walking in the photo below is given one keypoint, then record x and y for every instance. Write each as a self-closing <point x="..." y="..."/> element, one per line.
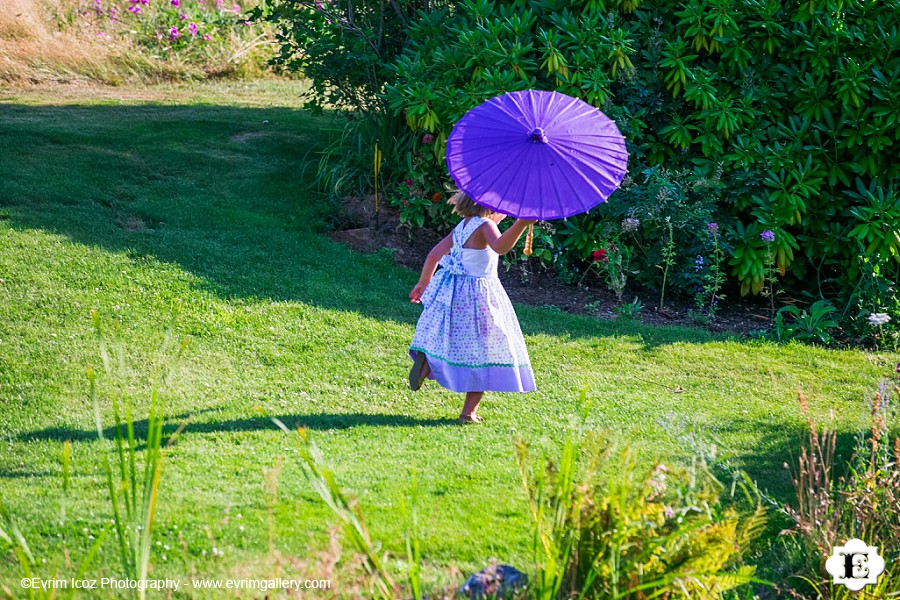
<point x="468" y="338"/>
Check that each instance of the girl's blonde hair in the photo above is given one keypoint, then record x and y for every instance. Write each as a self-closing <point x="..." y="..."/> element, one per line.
<point x="466" y="207"/>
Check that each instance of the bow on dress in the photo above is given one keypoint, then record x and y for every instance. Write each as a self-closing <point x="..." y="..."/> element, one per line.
<point x="440" y="289"/>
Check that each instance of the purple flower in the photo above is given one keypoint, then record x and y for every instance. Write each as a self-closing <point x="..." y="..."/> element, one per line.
<point x="698" y="264"/>
<point x="113" y="14"/>
<point x="206" y="37"/>
<point x="898" y="367"/>
<point x="219" y="3"/>
<point x="630" y="225"/>
<point x="768" y="236"/>
<point x="235" y="8"/>
<point x="192" y="28"/>
<point x="713" y="227"/>
<point x="174" y="34"/>
<point x="176" y="3"/>
<point x="408" y="182"/>
<point x="427" y="139"/>
<point x="135" y="9"/>
<point x="182" y="16"/>
<point x="669" y="512"/>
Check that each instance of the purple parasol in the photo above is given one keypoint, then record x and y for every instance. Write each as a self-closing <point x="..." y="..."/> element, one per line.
<point x="536" y="155"/>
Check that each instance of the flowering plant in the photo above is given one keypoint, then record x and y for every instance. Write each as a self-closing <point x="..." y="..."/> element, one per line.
<point x="196" y="31"/>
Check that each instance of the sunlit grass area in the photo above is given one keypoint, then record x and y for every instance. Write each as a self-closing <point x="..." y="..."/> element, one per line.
<point x="194" y="205"/>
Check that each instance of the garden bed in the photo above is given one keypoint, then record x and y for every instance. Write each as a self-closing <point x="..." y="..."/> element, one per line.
<point x="359" y="227"/>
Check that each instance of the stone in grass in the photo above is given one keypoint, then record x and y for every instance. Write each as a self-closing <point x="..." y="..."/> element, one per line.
<point x="496" y="581"/>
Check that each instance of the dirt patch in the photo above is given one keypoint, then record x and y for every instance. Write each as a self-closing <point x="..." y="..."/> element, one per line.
<point x="364" y="230"/>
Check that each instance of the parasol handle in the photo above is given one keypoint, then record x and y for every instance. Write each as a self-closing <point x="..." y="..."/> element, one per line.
<point x="529" y="238"/>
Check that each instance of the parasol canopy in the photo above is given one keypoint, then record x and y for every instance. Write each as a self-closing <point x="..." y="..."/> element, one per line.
<point x="536" y="155"/>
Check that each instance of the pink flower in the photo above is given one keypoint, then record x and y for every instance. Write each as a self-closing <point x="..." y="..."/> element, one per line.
<point x="206" y="37"/>
<point x="176" y="3"/>
<point x="192" y="28"/>
<point x="427" y="139"/>
<point x="174" y="34"/>
<point x="409" y="183"/>
<point x="135" y="9"/>
<point x="182" y="16"/>
<point x="235" y="8"/>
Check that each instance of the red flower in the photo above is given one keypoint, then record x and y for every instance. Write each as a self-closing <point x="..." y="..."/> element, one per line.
<point x="599" y="255"/>
<point x="427" y="139"/>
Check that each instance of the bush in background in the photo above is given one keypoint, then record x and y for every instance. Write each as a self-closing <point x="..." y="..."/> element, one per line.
<point x="767" y="118"/>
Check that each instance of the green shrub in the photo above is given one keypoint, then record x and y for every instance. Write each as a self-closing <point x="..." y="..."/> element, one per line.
<point x="604" y="528"/>
<point x="764" y="115"/>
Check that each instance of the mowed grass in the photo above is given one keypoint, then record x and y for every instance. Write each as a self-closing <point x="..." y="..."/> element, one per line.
<point x="197" y="205"/>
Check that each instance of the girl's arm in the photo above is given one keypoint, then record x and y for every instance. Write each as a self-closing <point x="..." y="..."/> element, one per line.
<point x="503" y="243"/>
<point x="440" y="249"/>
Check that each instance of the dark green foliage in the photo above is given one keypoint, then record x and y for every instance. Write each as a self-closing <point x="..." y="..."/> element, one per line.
<point x="781" y="116"/>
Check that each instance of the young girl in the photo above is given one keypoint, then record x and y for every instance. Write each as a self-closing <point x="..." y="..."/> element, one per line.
<point x="468" y="337"/>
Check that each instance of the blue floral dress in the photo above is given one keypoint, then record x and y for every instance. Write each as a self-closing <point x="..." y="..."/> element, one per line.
<point x="468" y="330"/>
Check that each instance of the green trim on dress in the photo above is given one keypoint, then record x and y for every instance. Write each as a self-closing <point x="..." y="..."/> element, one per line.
<point x="454" y="364"/>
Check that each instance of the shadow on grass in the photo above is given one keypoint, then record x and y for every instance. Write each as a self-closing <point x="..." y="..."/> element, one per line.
<point x="222" y="192"/>
<point x="321" y="422"/>
<point x="774" y="448"/>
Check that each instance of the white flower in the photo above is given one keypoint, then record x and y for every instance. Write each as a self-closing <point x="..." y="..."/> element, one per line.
<point x="879" y="319"/>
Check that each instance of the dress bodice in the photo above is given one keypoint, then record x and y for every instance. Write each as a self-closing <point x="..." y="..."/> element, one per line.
<point x="470" y="261"/>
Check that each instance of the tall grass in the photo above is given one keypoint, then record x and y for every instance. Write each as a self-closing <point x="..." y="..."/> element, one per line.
<point x="28" y="563"/>
<point x="605" y="529"/>
<point x="347" y="511"/>
<point x="832" y="507"/>
<point x="67" y="40"/>
<point x="133" y="489"/>
<point x="602" y="528"/>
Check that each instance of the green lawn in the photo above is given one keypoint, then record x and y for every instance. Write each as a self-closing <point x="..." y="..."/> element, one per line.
<point x="193" y="204"/>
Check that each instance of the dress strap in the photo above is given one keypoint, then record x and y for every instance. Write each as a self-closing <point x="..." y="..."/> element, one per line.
<point x="463" y="232"/>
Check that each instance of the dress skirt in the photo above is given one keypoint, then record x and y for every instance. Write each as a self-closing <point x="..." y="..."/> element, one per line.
<point x="470" y="335"/>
